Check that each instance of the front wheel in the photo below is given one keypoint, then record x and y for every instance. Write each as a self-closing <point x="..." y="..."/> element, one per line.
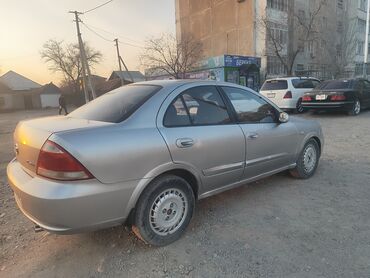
<point x="308" y="161"/>
<point x="164" y="211"/>
<point x="356" y="108"/>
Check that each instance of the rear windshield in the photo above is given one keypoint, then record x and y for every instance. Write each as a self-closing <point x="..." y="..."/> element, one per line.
<point x="271" y="85"/>
<point x="117" y="105"/>
<point x="304" y="83"/>
<point x="336" y="84"/>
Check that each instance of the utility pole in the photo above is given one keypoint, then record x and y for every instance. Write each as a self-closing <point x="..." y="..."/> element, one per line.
<point x="291" y="31"/>
<point x="84" y="63"/>
<point x="119" y="63"/>
<point x="366" y="47"/>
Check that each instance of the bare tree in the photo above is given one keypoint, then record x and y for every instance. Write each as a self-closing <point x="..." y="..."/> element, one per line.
<point x="340" y="51"/>
<point x="65" y="59"/>
<point x="304" y="30"/>
<point x="171" y="57"/>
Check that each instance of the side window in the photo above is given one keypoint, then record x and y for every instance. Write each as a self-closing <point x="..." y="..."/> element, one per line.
<point x="176" y="114"/>
<point x="359" y="85"/>
<point x="315" y="83"/>
<point x="367" y="85"/>
<point x="204" y="106"/>
<point x="249" y="107"/>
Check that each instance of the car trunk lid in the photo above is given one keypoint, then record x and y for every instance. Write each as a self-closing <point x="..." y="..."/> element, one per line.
<point x="30" y="135"/>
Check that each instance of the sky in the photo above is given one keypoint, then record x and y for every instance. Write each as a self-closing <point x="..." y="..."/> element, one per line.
<point x="27" y="24"/>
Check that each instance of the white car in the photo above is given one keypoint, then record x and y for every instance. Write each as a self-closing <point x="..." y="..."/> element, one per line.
<point x="287" y="92"/>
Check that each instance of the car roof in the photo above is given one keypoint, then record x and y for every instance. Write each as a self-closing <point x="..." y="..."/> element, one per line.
<point x="179" y="82"/>
<point x="292" y="77"/>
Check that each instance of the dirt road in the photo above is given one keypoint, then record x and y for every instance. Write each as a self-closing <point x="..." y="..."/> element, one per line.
<point x="277" y="227"/>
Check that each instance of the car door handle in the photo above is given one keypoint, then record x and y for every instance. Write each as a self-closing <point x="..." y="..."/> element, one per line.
<point x="184" y="142"/>
<point x="253" y="136"/>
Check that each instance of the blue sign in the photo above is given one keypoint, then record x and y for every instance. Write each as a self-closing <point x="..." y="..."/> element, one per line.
<point x="237" y="61"/>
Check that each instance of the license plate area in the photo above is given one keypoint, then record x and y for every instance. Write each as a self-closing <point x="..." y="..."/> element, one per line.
<point x="270" y="95"/>
<point x="321" y="97"/>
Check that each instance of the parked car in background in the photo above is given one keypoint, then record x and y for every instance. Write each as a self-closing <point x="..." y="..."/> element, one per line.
<point x="287" y="92"/>
<point x="144" y="153"/>
<point x="350" y="95"/>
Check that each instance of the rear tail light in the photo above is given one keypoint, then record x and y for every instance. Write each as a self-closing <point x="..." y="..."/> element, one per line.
<point x="306" y="98"/>
<point x="54" y="162"/>
<point x="337" y="97"/>
<point x="288" y="94"/>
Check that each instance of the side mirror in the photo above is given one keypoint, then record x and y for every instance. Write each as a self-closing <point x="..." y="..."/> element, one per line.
<point x="283" y="117"/>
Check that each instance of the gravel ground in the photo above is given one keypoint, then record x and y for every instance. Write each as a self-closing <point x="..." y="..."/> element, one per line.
<point x="276" y="227"/>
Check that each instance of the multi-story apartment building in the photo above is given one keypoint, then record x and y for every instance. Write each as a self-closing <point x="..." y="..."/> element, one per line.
<point x="275" y="30"/>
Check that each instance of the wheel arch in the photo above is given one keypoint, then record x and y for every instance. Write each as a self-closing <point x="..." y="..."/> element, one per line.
<point x="179" y="170"/>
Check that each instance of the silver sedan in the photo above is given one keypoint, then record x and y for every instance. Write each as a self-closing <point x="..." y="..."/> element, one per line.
<point x="143" y="154"/>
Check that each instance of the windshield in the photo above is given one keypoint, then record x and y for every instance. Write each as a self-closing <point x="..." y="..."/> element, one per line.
<point x="336" y="84"/>
<point x="271" y="85"/>
<point x="117" y="105"/>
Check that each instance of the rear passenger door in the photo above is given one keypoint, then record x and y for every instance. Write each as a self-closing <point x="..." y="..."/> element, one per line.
<point x="200" y="133"/>
<point x="270" y="145"/>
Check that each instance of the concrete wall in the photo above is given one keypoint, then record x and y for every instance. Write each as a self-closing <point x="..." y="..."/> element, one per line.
<point x="6" y="102"/>
<point x="223" y="26"/>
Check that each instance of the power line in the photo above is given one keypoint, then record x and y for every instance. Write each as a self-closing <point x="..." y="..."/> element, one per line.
<point x="114" y="34"/>
<point x="90" y="28"/>
<point x="97" y="7"/>
<point x="100" y="36"/>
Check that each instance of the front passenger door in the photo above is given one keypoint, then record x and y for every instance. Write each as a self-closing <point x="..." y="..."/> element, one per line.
<point x="270" y="145"/>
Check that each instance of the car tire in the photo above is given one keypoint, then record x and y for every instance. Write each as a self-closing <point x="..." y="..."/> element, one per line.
<point x="164" y="210"/>
<point x="308" y="161"/>
<point x="299" y="108"/>
<point x="356" y="108"/>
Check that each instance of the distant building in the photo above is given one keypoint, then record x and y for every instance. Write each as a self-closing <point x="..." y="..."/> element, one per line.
<point x="19" y="92"/>
<point x="137" y="76"/>
<point x="233" y="27"/>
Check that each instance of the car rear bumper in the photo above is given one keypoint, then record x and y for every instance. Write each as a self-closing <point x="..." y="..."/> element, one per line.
<point x="285" y="104"/>
<point x="328" y="105"/>
<point x="69" y="207"/>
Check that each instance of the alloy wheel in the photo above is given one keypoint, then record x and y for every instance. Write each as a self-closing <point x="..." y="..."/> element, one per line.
<point x="168" y="211"/>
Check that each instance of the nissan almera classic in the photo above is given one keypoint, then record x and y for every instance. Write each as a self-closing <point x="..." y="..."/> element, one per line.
<point x="144" y="153"/>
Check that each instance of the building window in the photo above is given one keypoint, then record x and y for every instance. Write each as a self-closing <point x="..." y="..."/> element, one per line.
<point x="311" y="48"/>
<point x="278" y="33"/>
<point x="275" y="66"/>
<point x="340" y="4"/>
<point x="339" y="50"/>
<point x="339" y="26"/>
<point x="302" y="15"/>
<point x="300" y="67"/>
<point x="325" y="22"/>
<point x="361" y="26"/>
<point x="281" y="5"/>
<point x="360" y="48"/>
<point x="362" y="5"/>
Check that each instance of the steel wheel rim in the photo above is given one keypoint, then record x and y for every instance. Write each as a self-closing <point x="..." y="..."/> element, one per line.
<point x="309" y="158"/>
<point x="168" y="211"/>
<point x="357" y="107"/>
<point x="299" y="106"/>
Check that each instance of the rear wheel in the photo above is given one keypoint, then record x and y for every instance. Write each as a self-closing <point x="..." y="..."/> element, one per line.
<point x="299" y="107"/>
<point x="164" y="211"/>
<point x="356" y="108"/>
<point x="308" y="161"/>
